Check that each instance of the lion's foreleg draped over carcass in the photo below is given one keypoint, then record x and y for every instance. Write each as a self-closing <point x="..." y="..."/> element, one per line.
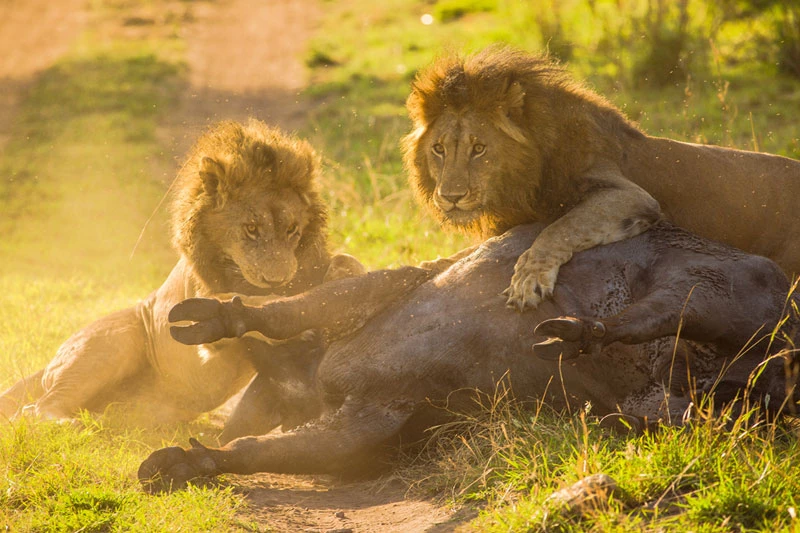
<point x="504" y="137"/>
<point x="410" y="338"/>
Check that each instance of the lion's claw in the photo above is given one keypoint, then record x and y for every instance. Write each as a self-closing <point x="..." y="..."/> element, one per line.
<point x="214" y="320"/>
<point x="172" y="468"/>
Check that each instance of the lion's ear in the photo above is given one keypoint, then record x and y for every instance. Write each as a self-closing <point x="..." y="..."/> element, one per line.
<point x="263" y="156"/>
<point x="212" y="174"/>
<point x="514" y="100"/>
<point x="511" y="109"/>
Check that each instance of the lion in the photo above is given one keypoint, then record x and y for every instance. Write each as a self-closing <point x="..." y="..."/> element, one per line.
<point x="504" y="137"/>
<point x="247" y="219"/>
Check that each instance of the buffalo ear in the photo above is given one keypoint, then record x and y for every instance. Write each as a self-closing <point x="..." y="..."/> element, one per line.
<point x="212" y="173"/>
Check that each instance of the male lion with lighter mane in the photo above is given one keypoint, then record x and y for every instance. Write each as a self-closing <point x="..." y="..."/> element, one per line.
<point x="504" y="137"/>
<point x="247" y="219"/>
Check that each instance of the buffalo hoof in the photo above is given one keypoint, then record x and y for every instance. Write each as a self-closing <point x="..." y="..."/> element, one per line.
<point x="568" y="338"/>
<point x="172" y="468"/>
<point x="213" y="320"/>
<point x="554" y="349"/>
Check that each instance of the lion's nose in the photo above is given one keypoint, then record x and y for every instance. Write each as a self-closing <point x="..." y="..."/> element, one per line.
<point x="453" y="197"/>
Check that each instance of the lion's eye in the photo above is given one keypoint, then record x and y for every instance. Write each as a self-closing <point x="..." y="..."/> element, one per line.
<point x="478" y="149"/>
<point x="438" y="149"/>
<point x="293" y="231"/>
<point x="251" y="230"/>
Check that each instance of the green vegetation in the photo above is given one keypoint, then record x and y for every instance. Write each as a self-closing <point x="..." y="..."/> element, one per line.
<point x="81" y="176"/>
<point x="63" y="478"/>
<point x="84" y="170"/>
<point x="691" y="70"/>
<point x="718" y="474"/>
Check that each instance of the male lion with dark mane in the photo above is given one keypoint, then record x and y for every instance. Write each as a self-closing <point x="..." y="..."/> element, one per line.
<point x="504" y="137"/>
<point x="247" y="219"/>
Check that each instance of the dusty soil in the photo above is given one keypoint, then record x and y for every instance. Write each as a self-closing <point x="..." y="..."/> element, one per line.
<point x="245" y="59"/>
<point x="33" y="34"/>
<point x="308" y="503"/>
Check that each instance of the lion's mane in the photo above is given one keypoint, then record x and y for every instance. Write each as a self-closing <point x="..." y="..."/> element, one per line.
<point x="551" y="128"/>
<point x="257" y="159"/>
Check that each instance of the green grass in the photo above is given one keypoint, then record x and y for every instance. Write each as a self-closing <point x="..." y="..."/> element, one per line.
<point x="82" y="478"/>
<point x="717" y="474"/>
<point x="713" y="476"/>
<point x="82" y="174"/>
<point x="84" y="171"/>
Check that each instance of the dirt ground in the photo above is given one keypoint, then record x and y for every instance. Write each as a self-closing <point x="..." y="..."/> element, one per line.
<point x="33" y="34"/>
<point x="245" y="59"/>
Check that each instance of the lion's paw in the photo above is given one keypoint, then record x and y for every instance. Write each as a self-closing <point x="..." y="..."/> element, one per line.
<point x="534" y="279"/>
<point x="173" y="468"/>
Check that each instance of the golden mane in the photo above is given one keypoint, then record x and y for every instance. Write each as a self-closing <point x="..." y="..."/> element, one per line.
<point x="250" y="159"/>
<point x="551" y="125"/>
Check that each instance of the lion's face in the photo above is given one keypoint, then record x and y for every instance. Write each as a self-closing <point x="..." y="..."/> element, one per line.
<point x="467" y="168"/>
<point x="247" y="216"/>
<point x="459" y="162"/>
<point x="258" y="236"/>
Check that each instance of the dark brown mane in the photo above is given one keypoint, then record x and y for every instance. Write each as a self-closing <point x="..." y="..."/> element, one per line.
<point x="257" y="159"/>
<point x="552" y="125"/>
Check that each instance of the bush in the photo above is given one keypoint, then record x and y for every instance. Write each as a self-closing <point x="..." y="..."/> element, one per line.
<point x="788" y="32"/>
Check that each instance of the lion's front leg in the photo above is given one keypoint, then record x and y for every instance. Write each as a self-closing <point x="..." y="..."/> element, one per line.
<point x="617" y="210"/>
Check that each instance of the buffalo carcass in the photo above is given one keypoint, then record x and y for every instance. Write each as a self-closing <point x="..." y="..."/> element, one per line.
<point x="405" y="339"/>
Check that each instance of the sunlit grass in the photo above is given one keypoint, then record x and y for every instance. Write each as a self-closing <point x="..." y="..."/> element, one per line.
<point x="716" y="474"/>
<point x="82" y="174"/>
<point x="84" y="171"/>
<point x="82" y="477"/>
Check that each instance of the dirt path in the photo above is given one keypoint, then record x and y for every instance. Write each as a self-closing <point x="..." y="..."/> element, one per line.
<point x="245" y="59"/>
<point x="33" y="34"/>
<point x="307" y="503"/>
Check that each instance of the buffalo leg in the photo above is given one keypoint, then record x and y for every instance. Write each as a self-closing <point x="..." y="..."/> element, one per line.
<point x="339" y="307"/>
<point x="699" y="317"/>
<point x="283" y="392"/>
<point x="333" y="445"/>
<point x="256" y="413"/>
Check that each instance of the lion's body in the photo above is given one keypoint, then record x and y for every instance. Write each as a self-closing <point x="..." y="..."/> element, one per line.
<point x="746" y="199"/>
<point x="247" y="219"/>
<point x="503" y="138"/>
